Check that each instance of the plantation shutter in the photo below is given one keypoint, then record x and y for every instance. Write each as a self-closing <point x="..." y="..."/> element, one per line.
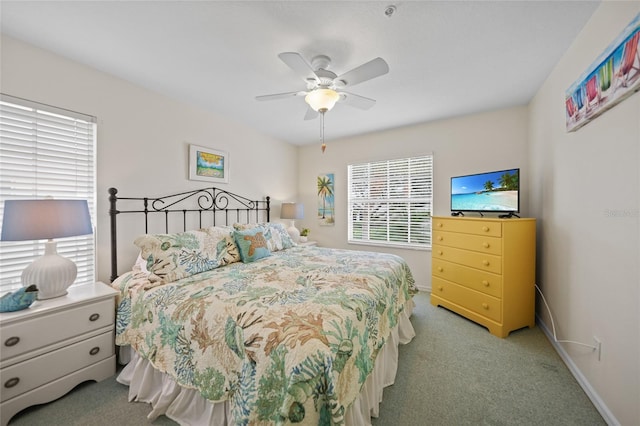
<point x="390" y="202"/>
<point x="46" y="152"/>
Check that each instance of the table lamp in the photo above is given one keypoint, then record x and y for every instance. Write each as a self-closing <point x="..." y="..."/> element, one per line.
<point x="47" y="219"/>
<point x="292" y="211"/>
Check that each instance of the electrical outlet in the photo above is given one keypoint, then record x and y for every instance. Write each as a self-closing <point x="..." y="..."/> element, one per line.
<point x="597" y="347"/>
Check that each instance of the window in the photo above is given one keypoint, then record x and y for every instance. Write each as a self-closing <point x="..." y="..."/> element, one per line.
<point x="390" y="202"/>
<point x="45" y="151"/>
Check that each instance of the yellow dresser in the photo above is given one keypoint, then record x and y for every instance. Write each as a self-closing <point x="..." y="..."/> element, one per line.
<point x="484" y="269"/>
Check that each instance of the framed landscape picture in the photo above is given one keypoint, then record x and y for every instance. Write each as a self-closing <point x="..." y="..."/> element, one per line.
<point x="208" y="164"/>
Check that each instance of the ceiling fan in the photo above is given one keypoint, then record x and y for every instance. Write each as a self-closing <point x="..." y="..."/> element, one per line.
<point x="324" y="87"/>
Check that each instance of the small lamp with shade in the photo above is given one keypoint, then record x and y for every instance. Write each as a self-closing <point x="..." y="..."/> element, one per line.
<point x="292" y="211"/>
<point x="47" y="219"/>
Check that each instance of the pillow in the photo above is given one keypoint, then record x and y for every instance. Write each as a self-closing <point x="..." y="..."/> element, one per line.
<point x="276" y="235"/>
<point x="252" y="244"/>
<point x="245" y="226"/>
<point x="140" y="265"/>
<point x="226" y="249"/>
<point x="280" y="236"/>
<point x="171" y="257"/>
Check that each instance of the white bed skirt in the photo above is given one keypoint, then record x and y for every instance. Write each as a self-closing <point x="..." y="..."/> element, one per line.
<point x="188" y="407"/>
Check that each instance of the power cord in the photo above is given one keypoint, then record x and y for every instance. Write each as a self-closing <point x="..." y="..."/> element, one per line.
<point x="553" y="326"/>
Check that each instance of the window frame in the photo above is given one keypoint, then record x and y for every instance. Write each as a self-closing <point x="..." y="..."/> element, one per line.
<point x="46" y="151"/>
<point x="404" y="213"/>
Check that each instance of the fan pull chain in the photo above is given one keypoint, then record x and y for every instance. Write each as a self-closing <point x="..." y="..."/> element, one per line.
<point x="323" y="146"/>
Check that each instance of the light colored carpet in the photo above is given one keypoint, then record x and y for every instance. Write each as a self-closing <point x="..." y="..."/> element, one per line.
<point x="453" y="373"/>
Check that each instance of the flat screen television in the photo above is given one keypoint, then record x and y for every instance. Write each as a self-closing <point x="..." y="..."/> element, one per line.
<point x="490" y="192"/>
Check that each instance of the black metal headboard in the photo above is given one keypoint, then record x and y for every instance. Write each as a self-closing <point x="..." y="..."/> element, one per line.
<point x="208" y="205"/>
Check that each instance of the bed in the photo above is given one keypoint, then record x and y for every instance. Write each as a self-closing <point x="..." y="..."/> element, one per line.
<point x="227" y="321"/>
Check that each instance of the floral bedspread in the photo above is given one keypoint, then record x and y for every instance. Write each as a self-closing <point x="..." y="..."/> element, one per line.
<point x="289" y="338"/>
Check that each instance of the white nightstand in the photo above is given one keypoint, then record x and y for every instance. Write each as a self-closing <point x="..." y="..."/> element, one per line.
<point x="308" y="244"/>
<point x="55" y="344"/>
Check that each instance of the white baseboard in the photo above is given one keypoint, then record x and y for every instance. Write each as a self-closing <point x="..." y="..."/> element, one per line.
<point x="424" y="288"/>
<point x="602" y="408"/>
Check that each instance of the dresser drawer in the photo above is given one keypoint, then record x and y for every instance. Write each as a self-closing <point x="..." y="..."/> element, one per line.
<point x="482" y="261"/>
<point x="34" y="333"/>
<point x="30" y="374"/>
<point x="470" y="226"/>
<point x="481" y="281"/>
<point x="481" y="243"/>
<point x="480" y="303"/>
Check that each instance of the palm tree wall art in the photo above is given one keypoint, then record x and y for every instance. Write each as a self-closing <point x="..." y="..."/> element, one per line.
<point x="326" y="209"/>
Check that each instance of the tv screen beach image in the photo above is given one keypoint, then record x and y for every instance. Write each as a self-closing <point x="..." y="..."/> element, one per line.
<point x="495" y="191"/>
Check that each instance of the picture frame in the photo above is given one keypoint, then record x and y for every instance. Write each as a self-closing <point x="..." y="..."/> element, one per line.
<point x="326" y="199"/>
<point x="211" y="165"/>
<point x="611" y="78"/>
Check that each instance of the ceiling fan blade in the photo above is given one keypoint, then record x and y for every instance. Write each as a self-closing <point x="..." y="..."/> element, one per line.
<point x="297" y="63"/>
<point x="356" y="101"/>
<point x="279" y="96"/>
<point x="311" y="114"/>
<point x="372" y="69"/>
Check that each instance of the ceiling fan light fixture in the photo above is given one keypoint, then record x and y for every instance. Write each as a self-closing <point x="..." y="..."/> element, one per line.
<point x="322" y="99"/>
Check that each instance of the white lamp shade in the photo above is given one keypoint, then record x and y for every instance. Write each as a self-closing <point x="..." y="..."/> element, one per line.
<point x="292" y="211"/>
<point x="322" y="99"/>
<point x="47" y="219"/>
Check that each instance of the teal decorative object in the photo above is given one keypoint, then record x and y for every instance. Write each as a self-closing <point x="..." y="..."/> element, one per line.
<point x="18" y="300"/>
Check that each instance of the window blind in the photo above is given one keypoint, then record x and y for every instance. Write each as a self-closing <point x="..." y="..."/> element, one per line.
<point x="390" y="202"/>
<point x="46" y="152"/>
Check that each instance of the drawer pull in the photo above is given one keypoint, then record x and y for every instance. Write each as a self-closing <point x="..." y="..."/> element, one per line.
<point x="485" y="262"/>
<point x="485" y="306"/>
<point x="440" y="238"/>
<point x="11" y="382"/>
<point x="439" y="225"/>
<point x="440" y="269"/>
<point x="94" y="317"/>
<point x="485" y="228"/>
<point x="12" y="341"/>
<point x="485" y="283"/>
<point x="485" y="245"/>
<point x="440" y="288"/>
<point x="440" y="252"/>
<point x="94" y="351"/>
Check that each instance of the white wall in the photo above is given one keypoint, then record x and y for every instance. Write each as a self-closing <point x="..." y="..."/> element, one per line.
<point x="585" y="193"/>
<point x="143" y="138"/>
<point x="495" y="140"/>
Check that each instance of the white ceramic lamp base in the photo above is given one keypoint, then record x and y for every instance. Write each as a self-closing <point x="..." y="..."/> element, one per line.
<point x="51" y="273"/>
<point x="294" y="232"/>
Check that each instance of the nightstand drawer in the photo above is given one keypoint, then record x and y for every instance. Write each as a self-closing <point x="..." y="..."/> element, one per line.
<point x="481" y="281"/>
<point x="485" y="262"/>
<point x="25" y="336"/>
<point x="30" y="374"/>
<point x="480" y="303"/>
<point x="469" y="226"/>
<point x="481" y="243"/>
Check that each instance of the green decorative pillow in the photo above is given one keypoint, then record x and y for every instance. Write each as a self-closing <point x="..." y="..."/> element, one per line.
<point x="171" y="257"/>
<point x="252" y="244"/>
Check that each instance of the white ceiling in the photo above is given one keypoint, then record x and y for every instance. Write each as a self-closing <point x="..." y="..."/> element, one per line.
<point x="446" y="58"/>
